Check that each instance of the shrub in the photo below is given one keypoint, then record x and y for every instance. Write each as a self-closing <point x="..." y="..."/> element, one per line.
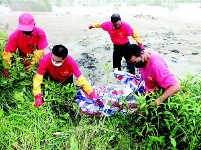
<point x="58" y="124"/>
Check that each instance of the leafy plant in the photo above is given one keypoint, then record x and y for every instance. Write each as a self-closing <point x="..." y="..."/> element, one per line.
<point x="58" y="124"/>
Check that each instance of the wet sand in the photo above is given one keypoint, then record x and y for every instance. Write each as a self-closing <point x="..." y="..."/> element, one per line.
<point x="176" y="39"/>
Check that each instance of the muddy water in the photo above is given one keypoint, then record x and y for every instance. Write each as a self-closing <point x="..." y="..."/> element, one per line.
<point x="174" y="32"/>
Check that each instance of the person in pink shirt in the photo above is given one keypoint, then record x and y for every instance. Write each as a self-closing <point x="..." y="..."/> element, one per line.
<point x="119" y="32"/>
<point x="60" y="67"/>
<point x="27" y="39"/>
<point x="154" y="71"/>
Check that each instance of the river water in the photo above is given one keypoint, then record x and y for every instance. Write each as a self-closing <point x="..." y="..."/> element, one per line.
<point x="189" y="11"/>
<point x="66" y="23"/>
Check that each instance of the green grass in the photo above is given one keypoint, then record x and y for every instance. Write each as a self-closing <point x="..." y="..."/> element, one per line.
<point x="58" y="124"/>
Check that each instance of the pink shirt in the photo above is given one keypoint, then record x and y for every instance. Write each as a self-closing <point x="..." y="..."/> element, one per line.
<point x="118" y="36"/>
<point x="59" y="74"/>
<point x="157" y="74"/>
<point x="17" y="40"/>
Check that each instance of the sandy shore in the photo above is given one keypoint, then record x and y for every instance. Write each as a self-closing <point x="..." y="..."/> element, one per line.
<point x="176" y="39"/>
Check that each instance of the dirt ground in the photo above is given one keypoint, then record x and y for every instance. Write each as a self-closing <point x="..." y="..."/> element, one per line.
<point x="176" y="39"/>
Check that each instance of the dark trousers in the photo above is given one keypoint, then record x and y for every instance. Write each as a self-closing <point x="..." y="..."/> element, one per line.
<point x="117" y="57"/>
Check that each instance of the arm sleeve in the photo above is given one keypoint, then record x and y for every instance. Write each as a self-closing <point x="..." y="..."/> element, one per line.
<point x="136" y="36"/>
<point x="9" y="50"/>
<point x="129" y="30"/>
<point x="106" y="25"/>
<point x="38" y="78"/>
<point x="164" y="78"/>
<point x="42" y="44"/>
<point x="43" y="65"/>
<point x="37" y="55"/>
<point x="74" y="67"/>
<point x="82" y="81"/>
<point x="37" y="81"/>
<point x="12" y="45"/>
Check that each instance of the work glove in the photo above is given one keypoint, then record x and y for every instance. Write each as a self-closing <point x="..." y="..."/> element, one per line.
<point x="90" y="27"/>
<point x="82" y="81"/>
<point x="27" y="69"/>
<point x="27" y="64"/>
<point x="6" y="74"/>
<point x="93" y="96"/>
<point x="141" y="46"/>
<point x="39" y="100"/>
<point x="96" y="99"/>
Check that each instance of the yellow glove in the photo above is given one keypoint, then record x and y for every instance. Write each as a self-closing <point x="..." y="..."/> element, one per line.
<point x="96" y="25"/>
<point x="37" y="81"/>
<point x="136" y="36"/>
<point x="7" y="58"/>
<point x="37" y="55"/>
<point x="82" y="81"/>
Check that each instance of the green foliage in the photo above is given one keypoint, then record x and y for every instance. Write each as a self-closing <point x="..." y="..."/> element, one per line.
<point x="58" y="124"/>
<point x="3" y="40"/>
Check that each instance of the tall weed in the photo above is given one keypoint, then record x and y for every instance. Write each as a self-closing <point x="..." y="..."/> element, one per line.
<point x="58" y="124"/>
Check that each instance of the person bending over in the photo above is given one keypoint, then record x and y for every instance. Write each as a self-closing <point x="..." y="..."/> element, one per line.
<point x="27" y="39"/>
<point x="154" y="71"/>
<point x="60" y="67"/>
<point x="119" y="32"/>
